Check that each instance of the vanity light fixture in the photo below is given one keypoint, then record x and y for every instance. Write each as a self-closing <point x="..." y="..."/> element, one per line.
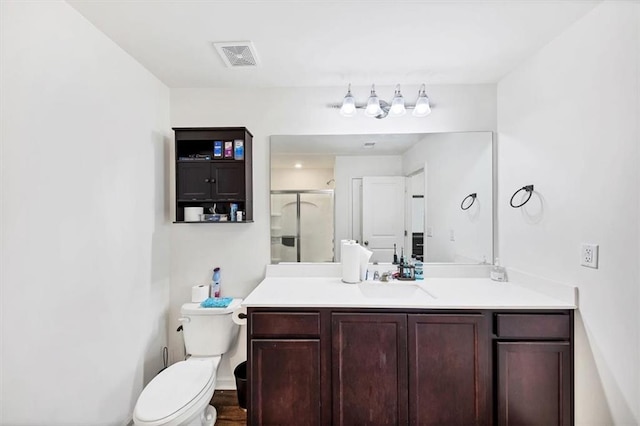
<point x="375" y="107"/>
<point x="348" y="108"/>
<point x="422" y="108"/>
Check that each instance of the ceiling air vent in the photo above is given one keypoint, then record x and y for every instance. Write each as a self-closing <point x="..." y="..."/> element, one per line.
<point x="237" y="54"/>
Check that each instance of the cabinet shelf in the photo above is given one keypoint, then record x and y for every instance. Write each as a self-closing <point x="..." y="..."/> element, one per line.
<point x="203" y="182"/>
<point x="210" y="221"/>
<point x="210" y="200"/>
<point x="215" y="160"/>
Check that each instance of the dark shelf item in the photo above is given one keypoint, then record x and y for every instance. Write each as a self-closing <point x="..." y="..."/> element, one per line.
<point x="207" y="179"/>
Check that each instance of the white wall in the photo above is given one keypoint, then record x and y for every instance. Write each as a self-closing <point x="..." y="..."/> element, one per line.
<point x="568" y="123"/>
<point x="457" y="164"/>
<point x="242" y="250"/>
<point x="300" y="179"/>
<point x="85" y="278"/>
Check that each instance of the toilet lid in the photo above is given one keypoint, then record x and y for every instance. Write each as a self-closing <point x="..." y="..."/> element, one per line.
<point x="173" y="389"/>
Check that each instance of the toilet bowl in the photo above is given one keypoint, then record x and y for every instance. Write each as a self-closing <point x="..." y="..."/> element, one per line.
<point x="180" y="394"/>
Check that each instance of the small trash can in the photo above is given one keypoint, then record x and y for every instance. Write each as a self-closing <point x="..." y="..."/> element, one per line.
<point x="240" y="373"/>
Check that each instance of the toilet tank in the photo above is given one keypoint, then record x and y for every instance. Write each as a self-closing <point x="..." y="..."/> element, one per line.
<point x="208" y="331"/>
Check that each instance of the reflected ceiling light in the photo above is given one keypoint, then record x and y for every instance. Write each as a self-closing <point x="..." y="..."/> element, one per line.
<point x="375" y="107"/>
<point x="297" y="166"/>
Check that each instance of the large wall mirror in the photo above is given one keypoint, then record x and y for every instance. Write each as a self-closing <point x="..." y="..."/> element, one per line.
<point x="423" y="195"/>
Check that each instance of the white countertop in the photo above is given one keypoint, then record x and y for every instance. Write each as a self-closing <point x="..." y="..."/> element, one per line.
<point x="431" y="293"/>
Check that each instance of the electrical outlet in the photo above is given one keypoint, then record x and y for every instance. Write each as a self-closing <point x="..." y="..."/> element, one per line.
<point x="429" y="231"/>
<point x="589" y="255"/>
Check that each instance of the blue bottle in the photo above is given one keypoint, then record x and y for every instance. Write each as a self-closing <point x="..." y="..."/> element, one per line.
<point x="234" y="210"/>
<point x="215" y="285"/>
<point x="418" y="271"/>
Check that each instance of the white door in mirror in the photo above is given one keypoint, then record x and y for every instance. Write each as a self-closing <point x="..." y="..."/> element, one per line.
<point x="383" y="215"/>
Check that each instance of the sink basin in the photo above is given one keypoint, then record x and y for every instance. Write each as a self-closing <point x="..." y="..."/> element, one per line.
<point x="392" y="290"/>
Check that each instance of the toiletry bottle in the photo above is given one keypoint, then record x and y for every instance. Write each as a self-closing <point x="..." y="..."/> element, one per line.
<point x="215" y="285"/>
<point x="234" y="210"/>
<point x="395" y="255"/>
<point x="498" y="272"/>
<point x="419" y="270"/>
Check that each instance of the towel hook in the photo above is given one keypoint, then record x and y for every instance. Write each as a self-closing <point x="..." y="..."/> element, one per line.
<point x="529" y="189"/>
<point x="473" y="200"/>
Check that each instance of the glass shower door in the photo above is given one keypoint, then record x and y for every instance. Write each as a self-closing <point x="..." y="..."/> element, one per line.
<point x="316" y="226"/>
<point x="302" y="226"/>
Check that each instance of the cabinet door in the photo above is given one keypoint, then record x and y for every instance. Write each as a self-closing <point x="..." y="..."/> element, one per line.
<point x="228" y="180"/>
<point x="449" y="370"/>
<point x="369" y="369"/>
<point x="285" y="382"/>
<point x="534" y="383"/>
<point x="194" y="181"/>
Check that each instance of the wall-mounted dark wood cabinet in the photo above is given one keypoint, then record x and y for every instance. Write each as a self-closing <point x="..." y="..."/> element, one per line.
<point x="214" y="171"/>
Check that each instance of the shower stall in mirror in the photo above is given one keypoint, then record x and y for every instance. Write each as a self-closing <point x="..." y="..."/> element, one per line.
<point x="302" y="226"/>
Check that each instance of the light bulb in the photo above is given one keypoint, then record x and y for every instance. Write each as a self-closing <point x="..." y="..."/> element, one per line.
<point x="422" y="107"/>
<point x="348" y="108"/>
<point x="373" y="104"/>
<point x="397" y="104"/>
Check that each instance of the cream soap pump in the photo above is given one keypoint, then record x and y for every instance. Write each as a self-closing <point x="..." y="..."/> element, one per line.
<point x="497" y="272"/>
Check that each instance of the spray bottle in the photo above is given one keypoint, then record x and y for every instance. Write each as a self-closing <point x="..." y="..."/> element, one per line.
<point x="215" y="285"/>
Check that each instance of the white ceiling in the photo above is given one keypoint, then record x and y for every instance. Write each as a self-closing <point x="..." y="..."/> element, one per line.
<point x="332" y="43"/>
<point x="319" y="151"/>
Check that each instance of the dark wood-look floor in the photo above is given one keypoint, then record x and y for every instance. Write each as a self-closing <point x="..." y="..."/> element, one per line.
<point x="229" y="413"/>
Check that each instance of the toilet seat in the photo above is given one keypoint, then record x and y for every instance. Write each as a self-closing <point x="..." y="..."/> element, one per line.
<point x="177" y="393"/>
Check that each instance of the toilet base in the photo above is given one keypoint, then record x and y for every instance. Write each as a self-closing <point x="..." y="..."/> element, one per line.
<point x="205" y="418"/>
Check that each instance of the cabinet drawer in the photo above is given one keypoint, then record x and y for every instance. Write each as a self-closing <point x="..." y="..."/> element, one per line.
<point x="290" y="324"/>
<point x="533" y="325"/>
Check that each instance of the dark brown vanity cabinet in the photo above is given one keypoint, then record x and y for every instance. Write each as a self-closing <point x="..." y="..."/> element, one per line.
<point x="534" y="369"/>
<point x="417" y="367"/>
<point x="369" y="369"/>
<point x="449" y="369"/>
<point x="207" y="177"/>
<point x="287" y="369"/>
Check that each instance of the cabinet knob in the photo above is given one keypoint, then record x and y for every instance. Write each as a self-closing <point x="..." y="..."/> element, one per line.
<point x="206" y="180"/>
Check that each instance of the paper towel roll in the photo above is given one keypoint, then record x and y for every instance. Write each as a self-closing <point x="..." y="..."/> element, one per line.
<point x="351" y="263"/>
<point x="192" y="214"/>
<point x="199" y="293"/>
<point x="236" y="316"/>
<point x="342" y="244"/>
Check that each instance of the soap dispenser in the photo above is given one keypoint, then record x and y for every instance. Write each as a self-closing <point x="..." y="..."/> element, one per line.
<point x="497" y="272"/>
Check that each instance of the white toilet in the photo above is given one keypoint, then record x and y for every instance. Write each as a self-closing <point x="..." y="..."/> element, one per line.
<point x="180" y="394"/>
